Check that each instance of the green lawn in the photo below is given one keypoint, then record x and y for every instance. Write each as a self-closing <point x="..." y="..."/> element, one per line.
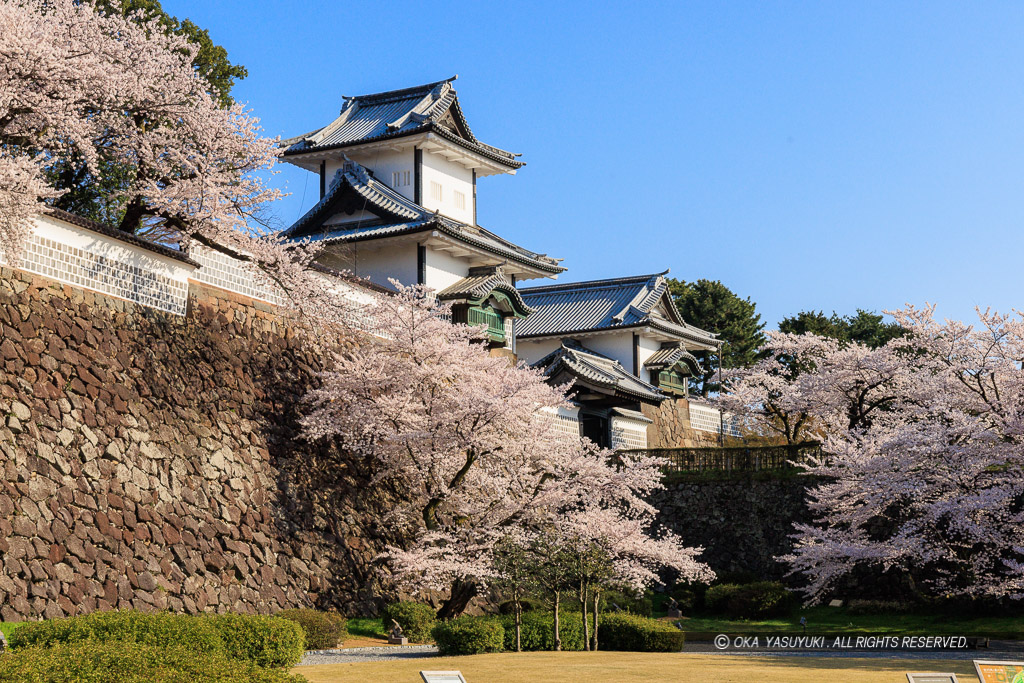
<point x="839" y="620"/>
<point x="367" y="627"/>
<point x="819" y="620"/>
<point x="8" y="627"/>
<point x="638" y="667"/>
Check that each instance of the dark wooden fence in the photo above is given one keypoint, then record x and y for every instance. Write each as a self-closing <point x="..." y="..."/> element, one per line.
<point x="734" y="459"/>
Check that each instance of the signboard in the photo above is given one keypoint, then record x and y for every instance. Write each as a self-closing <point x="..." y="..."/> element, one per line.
<point x="999" y="672"/>
<point x="442" y="677"/>
<point x="932" y="678"/>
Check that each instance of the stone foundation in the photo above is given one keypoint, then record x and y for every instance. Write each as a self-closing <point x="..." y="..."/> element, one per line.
<point x="671" y="427"/>
<point x="150" y="461"/>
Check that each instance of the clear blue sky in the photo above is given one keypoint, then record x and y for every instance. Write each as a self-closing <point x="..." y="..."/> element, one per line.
<point x="809" y="155"/>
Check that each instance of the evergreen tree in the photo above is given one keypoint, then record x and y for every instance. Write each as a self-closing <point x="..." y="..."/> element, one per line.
<point x="99" y="193"/>
<point x="712" y="306"/>
<point x="865" y="327"/>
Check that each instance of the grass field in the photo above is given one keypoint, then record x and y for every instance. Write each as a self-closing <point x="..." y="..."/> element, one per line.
<point x="366" y="627"/>
<point x="8" y="627"/>
<point x="629" y="667"/>
<point x="839" y="620"/>
<point x="819" y="620"/>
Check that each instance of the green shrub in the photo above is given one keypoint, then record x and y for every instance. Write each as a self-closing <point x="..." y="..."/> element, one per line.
<point x="323" y="630"/>
<point x="468" y="635"/>
<point x="120" y="662"/>
<point x="159" y="629"/>
<point x="416" y="619"/>
<point x="538" y="631"/>
<point x="620" y="631"/>
<point x="526" y="604"/>
<point x="628" y="603"/>
<point x="758" y="600"/>
<point x="689" y="595"/>
<point x="739" y="577"/>
<point x="265" y="641"/>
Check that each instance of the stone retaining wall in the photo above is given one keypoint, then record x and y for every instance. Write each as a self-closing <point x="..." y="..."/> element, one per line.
<point x="671" y="427"/>
<point x="742" y="523"/>
<point x="150" y="461"/>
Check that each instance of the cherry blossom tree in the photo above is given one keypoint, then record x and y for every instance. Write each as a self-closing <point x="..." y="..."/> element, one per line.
<point x="471" y="441"/>
<point x="923" y="475"/>
<point x="107" y="90"/>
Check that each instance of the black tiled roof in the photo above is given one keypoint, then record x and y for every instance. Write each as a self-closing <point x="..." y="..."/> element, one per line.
<point x="121" y="235"/>
<point x="400" y="216"/>
<point x="395" y="114"/>
<point x="599" y="372"/>
<point x="617" y="303"/>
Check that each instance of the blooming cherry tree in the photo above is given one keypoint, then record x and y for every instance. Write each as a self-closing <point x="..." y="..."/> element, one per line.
<point x="470" y="440"/>
<point x="78" y="84"/>
<point x="923" y="476"/>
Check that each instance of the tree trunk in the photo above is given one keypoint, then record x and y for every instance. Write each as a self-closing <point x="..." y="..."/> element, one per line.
<point x="133" y="215"/>
<point x="519" y="622"/>
<point x="558" y="633"/>
<point x="462" y="593"/>
<point x="586" y="625"/>
<point x="597" y="599"/>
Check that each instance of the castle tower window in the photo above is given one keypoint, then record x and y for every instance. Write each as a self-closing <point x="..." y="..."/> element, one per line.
<point x="460" y="200"/>
<point x="436" y="191"/>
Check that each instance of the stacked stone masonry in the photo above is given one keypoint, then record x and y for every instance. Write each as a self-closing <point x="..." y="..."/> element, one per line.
<point x="151" y="461"/>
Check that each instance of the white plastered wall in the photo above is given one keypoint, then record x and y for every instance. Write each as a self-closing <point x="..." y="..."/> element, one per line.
<point x="396" y="261"/>
<point x="452" y="177"/>
<point x="532" y="351"/>
<point x="68" y="253"/>
<point x="444" y="270"/>
<point x="384" y="163"/>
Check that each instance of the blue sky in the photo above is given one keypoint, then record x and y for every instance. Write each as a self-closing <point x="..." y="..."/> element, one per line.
<point x="810" y="156"/>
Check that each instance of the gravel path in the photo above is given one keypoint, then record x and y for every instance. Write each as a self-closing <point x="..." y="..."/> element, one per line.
<point x="367" y="654"/>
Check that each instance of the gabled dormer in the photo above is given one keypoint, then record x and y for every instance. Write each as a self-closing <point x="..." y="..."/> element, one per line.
<point x="375" y="232"/>
<point x="415" y="140"/>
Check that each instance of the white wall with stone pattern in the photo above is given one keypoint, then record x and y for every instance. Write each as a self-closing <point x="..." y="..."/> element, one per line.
<point x="77" y="256"/>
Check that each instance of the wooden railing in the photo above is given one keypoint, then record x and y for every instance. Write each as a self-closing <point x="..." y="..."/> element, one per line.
<point x="493" y="321"/>
<point x="734" y="459"/>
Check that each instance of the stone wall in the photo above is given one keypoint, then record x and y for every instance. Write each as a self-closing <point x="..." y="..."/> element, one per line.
<point x="150" y="461"/>
<point x="743" y="523"/>
<point x="671" y="426"/>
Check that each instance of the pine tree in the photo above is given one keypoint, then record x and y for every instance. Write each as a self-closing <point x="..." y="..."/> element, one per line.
<point x="712" y="306"/>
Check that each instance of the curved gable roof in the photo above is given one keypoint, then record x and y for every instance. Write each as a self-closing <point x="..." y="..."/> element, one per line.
<point x="397" y="215"/>
<point x="477" y="287"/>
<point x="597" y="305"/>
<point x="598" y="371"/>
<point x="433" y="107"/>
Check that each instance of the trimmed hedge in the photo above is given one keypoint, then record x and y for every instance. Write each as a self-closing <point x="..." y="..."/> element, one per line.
<point x="128" y="662"/>
<point x="264" y="641"/>
<point x="621" y="631"/>
<point x="468" y="635"/>
<point x="757" y="600"/>
<point x="323" y="630"/>
<point x="538" y="631"/>
<point x="158" y="629"/>
<point x="526" y="604"/>
<point x="416" y="619"/>
<point x="642" y="606"/>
